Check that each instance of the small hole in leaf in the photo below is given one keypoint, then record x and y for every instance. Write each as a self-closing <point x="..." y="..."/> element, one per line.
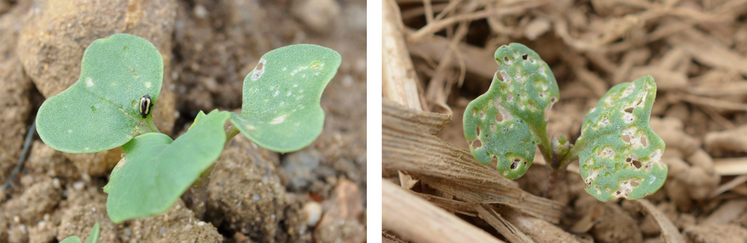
<point x="628" y="160"/>
<point x="629" y="110"/>
<point x="478" y="131"/>
<point x="626" y="138"/>
<point x="482" y="115"/>
<point x="637" y="164"/>
<point x="515" y="163"/>
<point x="644" y="141"/>
<point x="635" y="183"/>
<point x="492" y="127"/>
<point x="505" y="59"/>
<point x="498" y="117"/>
<point x="524" y="57"/>
<point x="477" y="144"/>
<point x="552" y="100"/>
<point x="474" y="110"/>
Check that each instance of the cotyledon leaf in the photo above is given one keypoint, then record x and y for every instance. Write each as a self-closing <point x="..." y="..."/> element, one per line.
<point x="619" y="153"/>
<point x="511" y="118"/>
<point x="281" y="110"/>
<point x="100" y="111"/>
<point x="155" y="170"/>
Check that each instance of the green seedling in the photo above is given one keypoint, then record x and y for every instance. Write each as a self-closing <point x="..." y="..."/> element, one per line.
<point x="110" y="106"/>
<point x="93" y="237"/>
<point x="618" y="152"/>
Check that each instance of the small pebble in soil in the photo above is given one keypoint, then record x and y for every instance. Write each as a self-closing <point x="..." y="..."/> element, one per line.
<point x="56" y="183"/>
<point x="313" y="212"/>
<point x="347" y="80"/>
<point x="200" y="11"/>
<point x="78" y="185"/>
<point x="318" y="15"/>
<point x="301" y="167"/>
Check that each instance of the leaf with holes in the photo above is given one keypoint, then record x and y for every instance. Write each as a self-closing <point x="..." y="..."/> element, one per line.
<point x="510" y="119"/>
<point x="100" y="111"/>
<point x="156" y="170"/>
<point x="281" y="110"/>
<point x="619" y="153"/>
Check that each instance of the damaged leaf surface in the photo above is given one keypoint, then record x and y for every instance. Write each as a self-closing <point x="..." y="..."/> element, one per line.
<point x="619" y="153"/>
<point x="510" y="119"/>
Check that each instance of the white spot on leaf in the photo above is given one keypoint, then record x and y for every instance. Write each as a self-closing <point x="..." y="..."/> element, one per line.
<point x="504" y="112"/>
<point x="301" y="68"/>
<point x="89" y="82"/>
<point x="278" y="120"/>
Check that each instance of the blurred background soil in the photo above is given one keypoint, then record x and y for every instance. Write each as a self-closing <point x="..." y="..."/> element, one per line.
<point x="316" y="194"/>
<point x="695" y="49"/>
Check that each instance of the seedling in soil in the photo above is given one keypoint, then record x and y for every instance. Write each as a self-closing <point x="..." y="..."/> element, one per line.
<point x="111" y="104"/>
<point x="93" y="237"/>
<point x="618" y="152"/>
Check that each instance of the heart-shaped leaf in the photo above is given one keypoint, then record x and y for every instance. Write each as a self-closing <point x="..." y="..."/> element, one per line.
<point x="280" y="109"/>
<point x="100" y="111"/>
<point x="619" y="153"/>
<point x="155" y="171"/>
<point x="510" y="119"/>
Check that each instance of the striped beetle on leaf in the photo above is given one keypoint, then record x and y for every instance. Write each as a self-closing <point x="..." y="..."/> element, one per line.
<point x="145" y="105"/>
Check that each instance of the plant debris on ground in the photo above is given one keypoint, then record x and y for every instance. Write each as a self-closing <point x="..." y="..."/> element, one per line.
<point x="440" y="57"/>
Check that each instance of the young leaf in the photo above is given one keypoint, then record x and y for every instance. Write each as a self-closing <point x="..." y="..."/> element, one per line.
<point x="510" y="119"/>
<point x="619" y="153"/>
<point x="93" y="237"/>
<point x="280" y="109"/>
<point x="156" y="171"/>
<point x="100" y="111"/>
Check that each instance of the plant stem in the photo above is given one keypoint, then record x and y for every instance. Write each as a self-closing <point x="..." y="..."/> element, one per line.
<point x="552" y="180"/>
<point x="545" y="146"/>
<point x="149" y="123"/>
<point x="231" y="132"/>
<point x="199" y="189"/>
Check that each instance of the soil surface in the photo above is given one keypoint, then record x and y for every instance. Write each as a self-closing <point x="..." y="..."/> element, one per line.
<point x="255" y="195"/>
<point x="697" y="62"/>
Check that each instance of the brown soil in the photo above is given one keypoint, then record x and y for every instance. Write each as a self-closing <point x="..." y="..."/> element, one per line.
<point x="208" y="46"/>
<point x="698" y="63"/>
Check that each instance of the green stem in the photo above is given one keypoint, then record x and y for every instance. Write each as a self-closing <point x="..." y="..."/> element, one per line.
<point x="149" y="123"/>
<point x="199" y="192"/>
<point x="199" y="189"/>
<point x="231" y="132"/>
<point x="544" y="146"/>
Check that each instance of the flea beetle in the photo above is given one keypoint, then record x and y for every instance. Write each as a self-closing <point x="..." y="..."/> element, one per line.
<point x="145" y="105"/>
